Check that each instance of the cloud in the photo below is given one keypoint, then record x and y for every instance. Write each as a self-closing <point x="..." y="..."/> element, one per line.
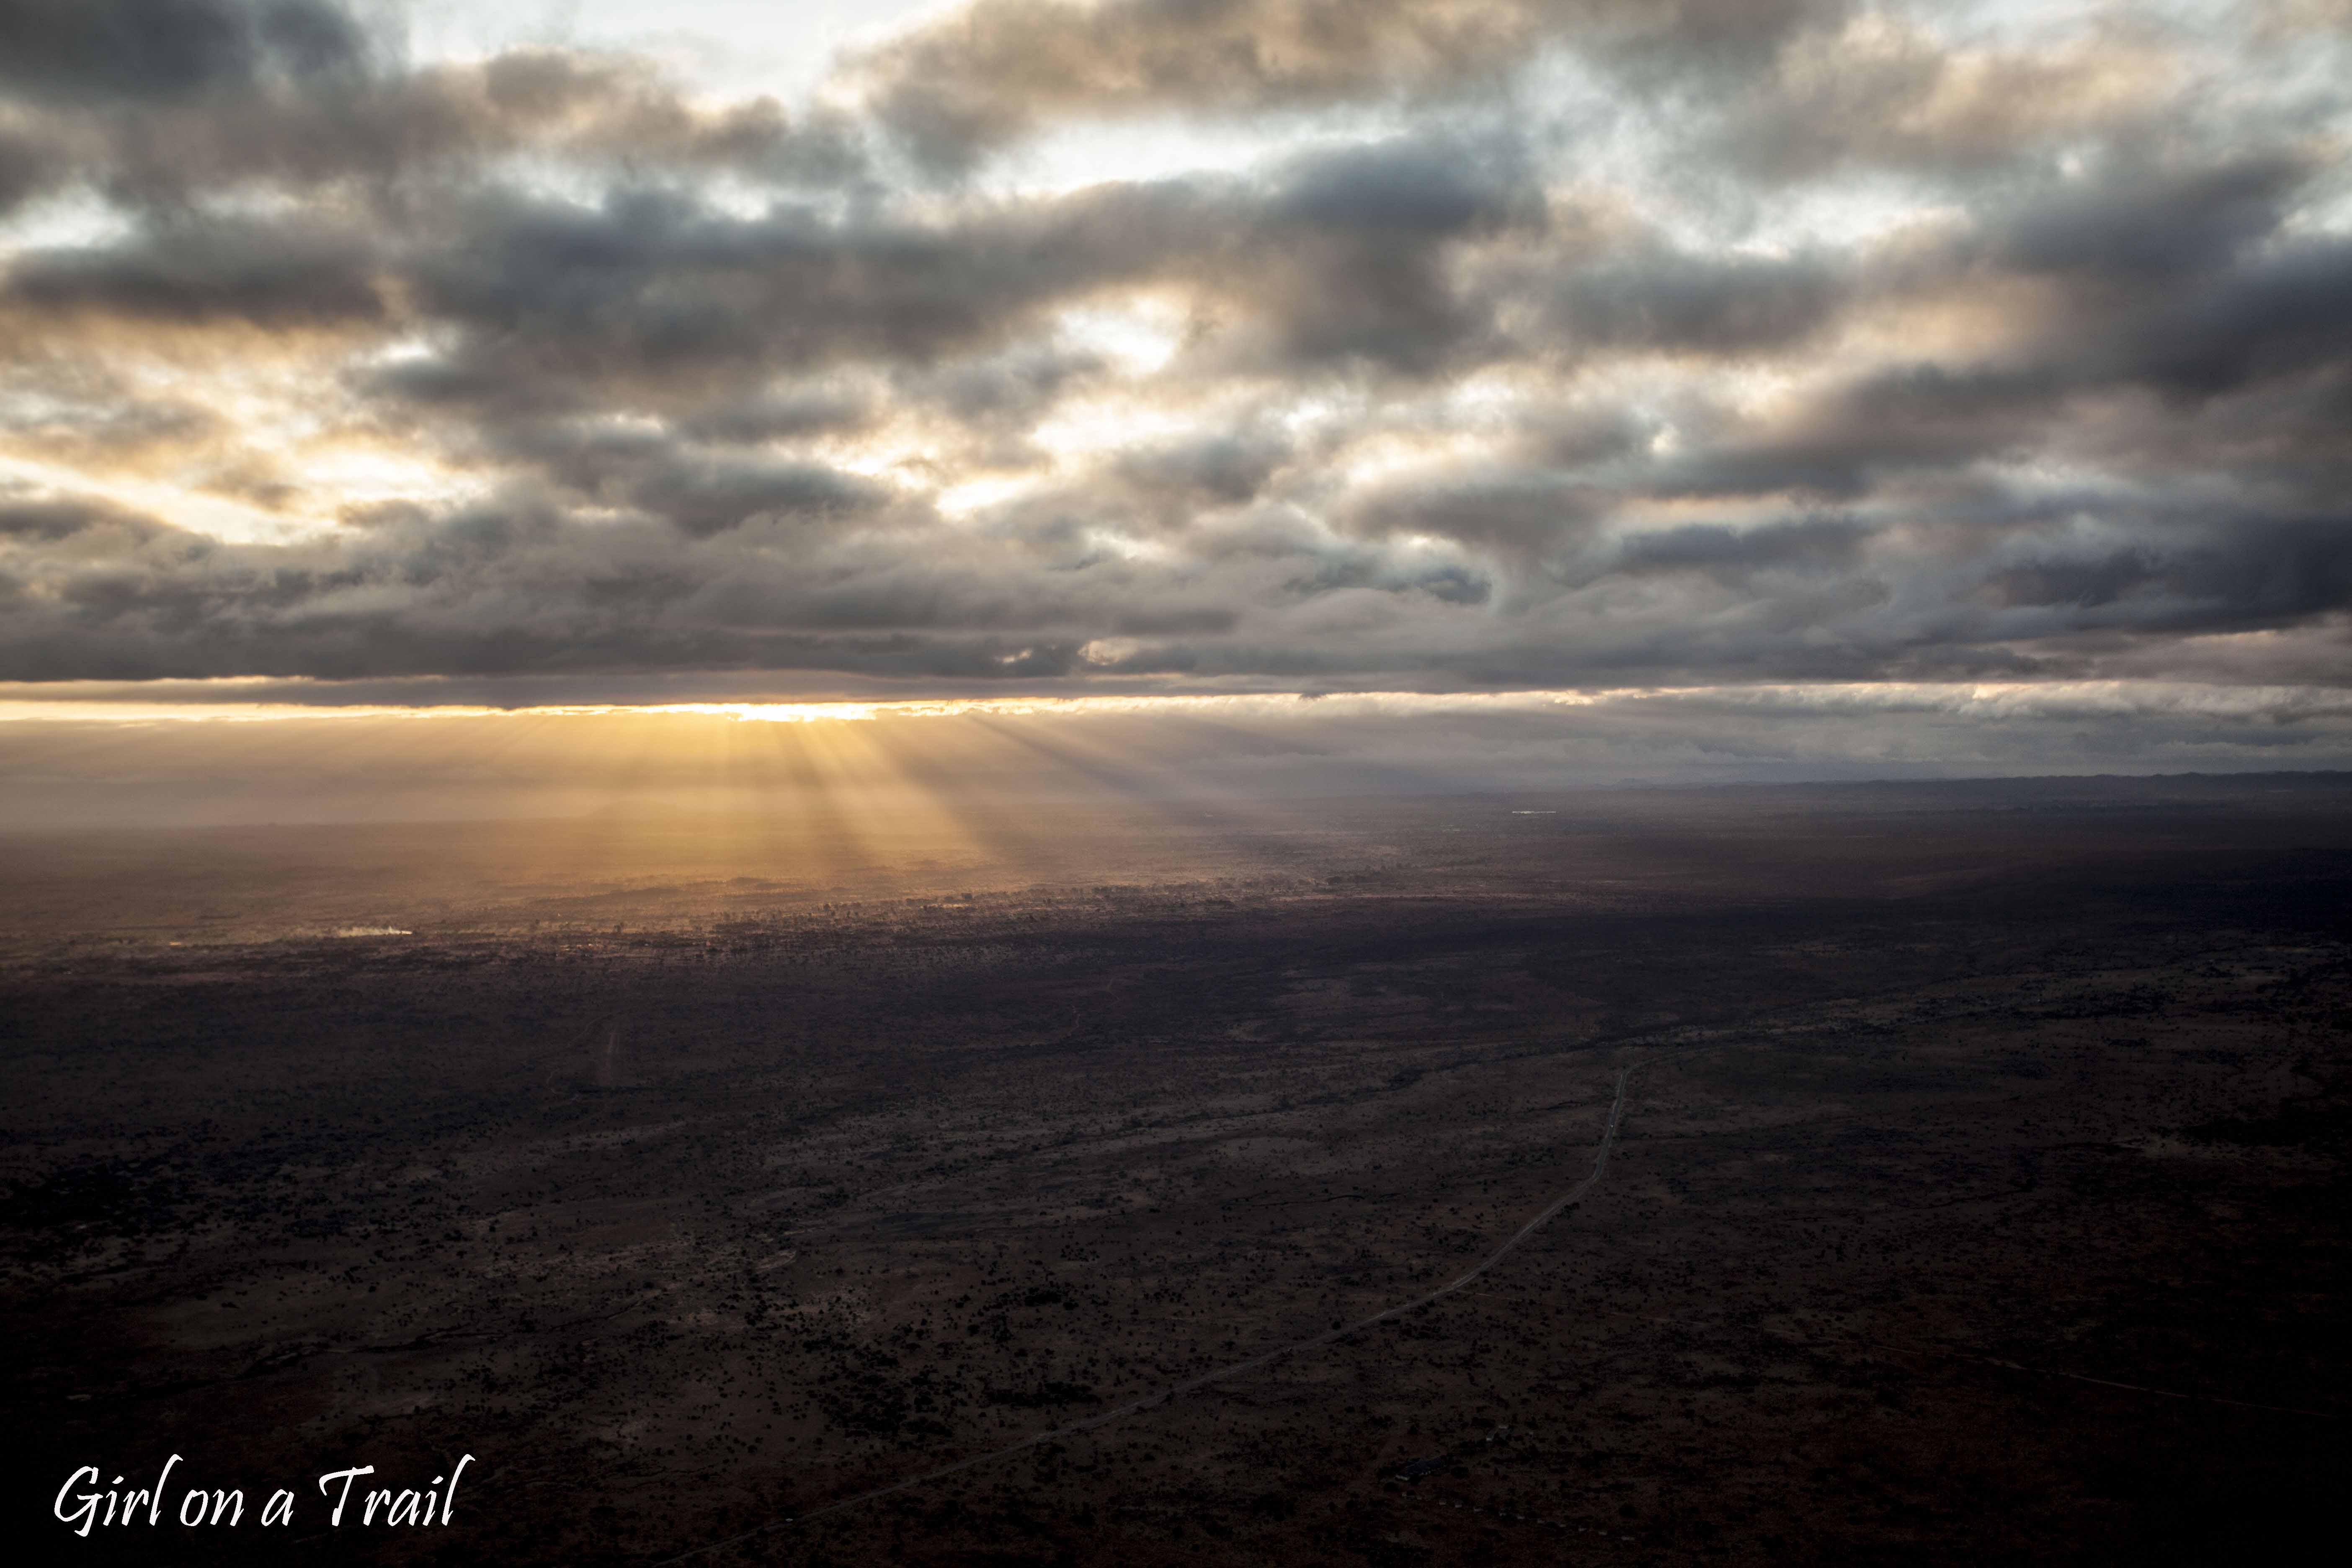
<point x="1875" y="88"/>
<point x="164" y="103"/>
<point x="1222" y="468"/>
<point x="1523" y="344"/>
<point x="1806" y="544"/>
<point x="142" y="50"/>
<point x="1660" y="299"/>
<point x="1519" y="512"/>
<point x="707" y="498"/>
<point x="651" y="281"/>
<point x="266" y="274"/>
<point x="997" y="68"/>
<point x="2141" y="227"/>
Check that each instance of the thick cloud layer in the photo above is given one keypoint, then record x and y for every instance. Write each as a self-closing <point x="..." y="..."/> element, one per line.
<point x="1522" y="343"/>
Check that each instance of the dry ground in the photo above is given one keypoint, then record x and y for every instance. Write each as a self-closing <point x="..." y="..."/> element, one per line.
<point x="1980" y="1198"/>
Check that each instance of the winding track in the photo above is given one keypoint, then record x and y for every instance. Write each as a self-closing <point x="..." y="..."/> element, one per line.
<point x="1104" y="1418"/>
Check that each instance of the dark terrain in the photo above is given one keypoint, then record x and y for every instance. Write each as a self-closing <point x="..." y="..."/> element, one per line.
<point x="1980" y="1197"/>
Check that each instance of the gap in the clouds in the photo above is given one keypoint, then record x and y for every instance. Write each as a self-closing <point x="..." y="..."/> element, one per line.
<point x="718" y="47"/>
<point x="1143" y="148"/>
<point x="76" y="217"/>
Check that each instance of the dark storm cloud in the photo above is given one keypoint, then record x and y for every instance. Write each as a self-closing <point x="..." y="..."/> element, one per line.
<point x="633" y="380"/>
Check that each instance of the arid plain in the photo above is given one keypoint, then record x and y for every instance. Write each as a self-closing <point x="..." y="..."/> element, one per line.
<point x="1979" y="1194"/>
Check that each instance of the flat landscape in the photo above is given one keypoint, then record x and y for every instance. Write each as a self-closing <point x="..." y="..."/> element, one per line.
<point x="1977" y="1192"/>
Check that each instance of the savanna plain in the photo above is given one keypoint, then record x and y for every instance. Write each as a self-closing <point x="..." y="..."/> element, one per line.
<point x="1976" y="1190"/>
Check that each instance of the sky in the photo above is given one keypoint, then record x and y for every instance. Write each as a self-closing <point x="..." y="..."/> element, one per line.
<point x="1726" y="386"/>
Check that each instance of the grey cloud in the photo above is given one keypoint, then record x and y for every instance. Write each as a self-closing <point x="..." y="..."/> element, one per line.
<point x="2288" y="313"/>
<point x="1337" y="259"/>
<point x="1406" y="188"/>
<point x="1331" y="573"/>
<point x="2249" y="572"/>
<point x="30" y="165"/>
<point x="115" y="424"/>
<point x="270" y="274"/>
<point x="1574" y="436"/>
<point x="166" y="48"/>
<point x="1884" y="425"/>
<point x="1174" y="620"/>
<point x="400" y="127"/>
<point x="999" y="68"/>
<point x="1222" y="470"/>
<point x="515" y="585"/>
<point x="1810" y="544"/>
<point x="519" y="586"/>
<point x="1662" y="299"/>
<point x="2142" y="226"/>
<point x="1889" y="94"/>
<point x="50" y="519"/>
<point x="778" y="414"/>
<point x="160" y="102"/>
<point x="700" y="490"/>
<point x="2182" y="290"/>
<point x="1007" y="391"/>
<point x="709" y="497"/>
<point x="1346" y="257"/>
<point x="2083" y="413"/>
<point x="1520" y="514"/>
<point x="653" y="280"/>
